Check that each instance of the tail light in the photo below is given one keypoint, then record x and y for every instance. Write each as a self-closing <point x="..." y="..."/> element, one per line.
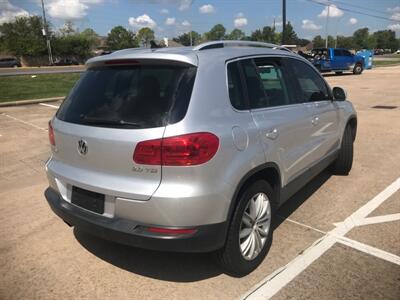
<point x="51" y="135"/>
<point x="183" y="150"/>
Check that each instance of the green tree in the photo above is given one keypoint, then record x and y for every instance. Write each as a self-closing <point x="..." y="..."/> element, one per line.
<point x="24" y="36"/>
<point x="318" y="41"/>
<point x="345" y="42"/>
<point x="121" y="38"/>
<point x="257" y="35"/>
<point x="331" y="41"/>
<point x="386" y="39"/>
<point x="73" y="45"/>
<point x="269" y="34"/>
<point x="266" y="34"/>
<point x="216" y="33"/>
<point x="236" y="34"/>
<point x="145" y="35"/>
<point x="90" y="34"/>
<point x="290" y="35"/>
<point x="360" y="38"/>
<point x="184" y="38"/>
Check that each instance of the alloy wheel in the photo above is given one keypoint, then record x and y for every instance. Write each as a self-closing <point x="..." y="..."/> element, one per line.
<point x="255" y="226"/>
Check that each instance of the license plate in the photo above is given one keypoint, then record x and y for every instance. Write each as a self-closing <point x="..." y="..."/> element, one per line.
<point x="88" y="200"/>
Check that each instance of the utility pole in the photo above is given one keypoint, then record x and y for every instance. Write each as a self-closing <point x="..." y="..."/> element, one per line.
<point x="283" y="22"/>
<point x="46" y="34"/>
<point x="326" y="28"/>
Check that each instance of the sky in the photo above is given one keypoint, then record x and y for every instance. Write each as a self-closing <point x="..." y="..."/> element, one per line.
<point x="169" y="18"/>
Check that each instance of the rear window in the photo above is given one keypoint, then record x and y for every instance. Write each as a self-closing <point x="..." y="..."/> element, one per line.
<point x="141" y="96"/>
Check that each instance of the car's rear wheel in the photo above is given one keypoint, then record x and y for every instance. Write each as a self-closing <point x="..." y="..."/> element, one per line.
<point x="250" y="231"/>
<point x="358" y="68"/>
<point x="344" y="162"/>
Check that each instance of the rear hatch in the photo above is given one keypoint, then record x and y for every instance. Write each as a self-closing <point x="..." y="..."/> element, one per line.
<point x="111" y="108"/>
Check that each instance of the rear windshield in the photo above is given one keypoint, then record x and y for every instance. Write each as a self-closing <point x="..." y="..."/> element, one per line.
<point x="139" y="96"/>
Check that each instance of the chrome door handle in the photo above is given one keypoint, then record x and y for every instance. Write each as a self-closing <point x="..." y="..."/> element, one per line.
<point x="315" y="121"/>
<point x="272" y="134"/>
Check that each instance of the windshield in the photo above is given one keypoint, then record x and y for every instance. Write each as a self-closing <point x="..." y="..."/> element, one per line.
<point x="139" y="96"/>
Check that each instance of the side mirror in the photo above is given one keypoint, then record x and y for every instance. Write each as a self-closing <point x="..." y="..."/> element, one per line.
<point x="339" y="94"/>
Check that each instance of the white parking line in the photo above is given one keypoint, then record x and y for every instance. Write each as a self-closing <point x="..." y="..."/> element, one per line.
<point x="380" y="219"/>
<point x="370" y="250"/>
<point x="49" y="105"/>
<point x="273" y="283"/>
<point x="22" y="121"/>
<point x="303" y="225"/>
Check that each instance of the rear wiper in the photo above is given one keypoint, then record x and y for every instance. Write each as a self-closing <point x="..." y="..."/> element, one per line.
<point x="100" y="121"/>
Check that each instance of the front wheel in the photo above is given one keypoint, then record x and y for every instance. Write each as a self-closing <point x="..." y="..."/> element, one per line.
<point x="250" y="232"/>
<point x="344" y="161"/>
<point x="358" y="68"/>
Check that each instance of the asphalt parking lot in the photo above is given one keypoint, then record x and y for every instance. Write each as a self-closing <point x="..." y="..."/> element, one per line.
<point x="338" y="238"/>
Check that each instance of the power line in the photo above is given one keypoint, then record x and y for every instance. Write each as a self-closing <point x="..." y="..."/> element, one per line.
<point x="363" y="8"/>
<point x="328" y="3"/>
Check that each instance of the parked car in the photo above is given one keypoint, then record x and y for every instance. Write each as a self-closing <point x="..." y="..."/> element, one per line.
<point x="9" y="62"/>
<point x="66" y="62"/>
<point x="337" y="60"/>
<point x="398" y="51"/>
<point x="194" y="149"/>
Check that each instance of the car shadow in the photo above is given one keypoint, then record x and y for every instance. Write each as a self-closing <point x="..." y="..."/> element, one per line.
<point x="166" y="266"/>
<point x="294" y="202"/>
<point x="336" y="75"/>
<point x="180" y="267"/>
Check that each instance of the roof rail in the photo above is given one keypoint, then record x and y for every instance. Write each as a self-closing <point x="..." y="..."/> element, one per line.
<point x="234" y="43"/>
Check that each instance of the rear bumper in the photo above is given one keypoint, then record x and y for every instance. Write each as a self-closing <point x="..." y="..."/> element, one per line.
<point x="206" y="238"/>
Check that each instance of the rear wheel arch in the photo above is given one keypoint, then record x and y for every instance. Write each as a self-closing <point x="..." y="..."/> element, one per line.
<point x="269" y="172"/>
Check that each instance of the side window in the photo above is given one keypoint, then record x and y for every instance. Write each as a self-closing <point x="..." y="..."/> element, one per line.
<point x="346" y="53"/>
<point x="273" y="83"/>
<point x="312" y="86"/>
<point x="254" y="86"/>
<point x="337" y="52"/>
<point x="235" y="87"/>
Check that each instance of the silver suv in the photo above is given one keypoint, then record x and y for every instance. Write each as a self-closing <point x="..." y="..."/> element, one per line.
<point x="194" y="149"/>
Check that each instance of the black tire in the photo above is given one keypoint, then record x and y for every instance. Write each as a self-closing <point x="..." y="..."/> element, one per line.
<point x="358" y="69"/>
<point x="230" y="256"/>
<point x="344" y="162"/>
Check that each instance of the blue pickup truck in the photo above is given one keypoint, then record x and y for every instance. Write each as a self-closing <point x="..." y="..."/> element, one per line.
<point x="337" y="60"/>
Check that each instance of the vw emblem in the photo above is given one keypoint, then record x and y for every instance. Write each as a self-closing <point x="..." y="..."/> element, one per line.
<point x="82" y="147"/>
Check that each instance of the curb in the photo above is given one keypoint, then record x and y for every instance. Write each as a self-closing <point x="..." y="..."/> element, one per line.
<point x="31" y="101"/>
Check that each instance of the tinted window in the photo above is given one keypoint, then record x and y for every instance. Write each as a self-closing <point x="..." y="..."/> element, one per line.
<point x="128" y="97"/>
<point x="273" y="83"/>
<point x="311" y="86"/>
<point x="255" y="89"/>
<point x="337" y="52"/>
<point x="235" y="86"/>
<point x="346" y="53"/>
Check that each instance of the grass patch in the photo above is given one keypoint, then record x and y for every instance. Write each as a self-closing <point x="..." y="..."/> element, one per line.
<point x="23" y="87"/>
<point x="382" y="63"/>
